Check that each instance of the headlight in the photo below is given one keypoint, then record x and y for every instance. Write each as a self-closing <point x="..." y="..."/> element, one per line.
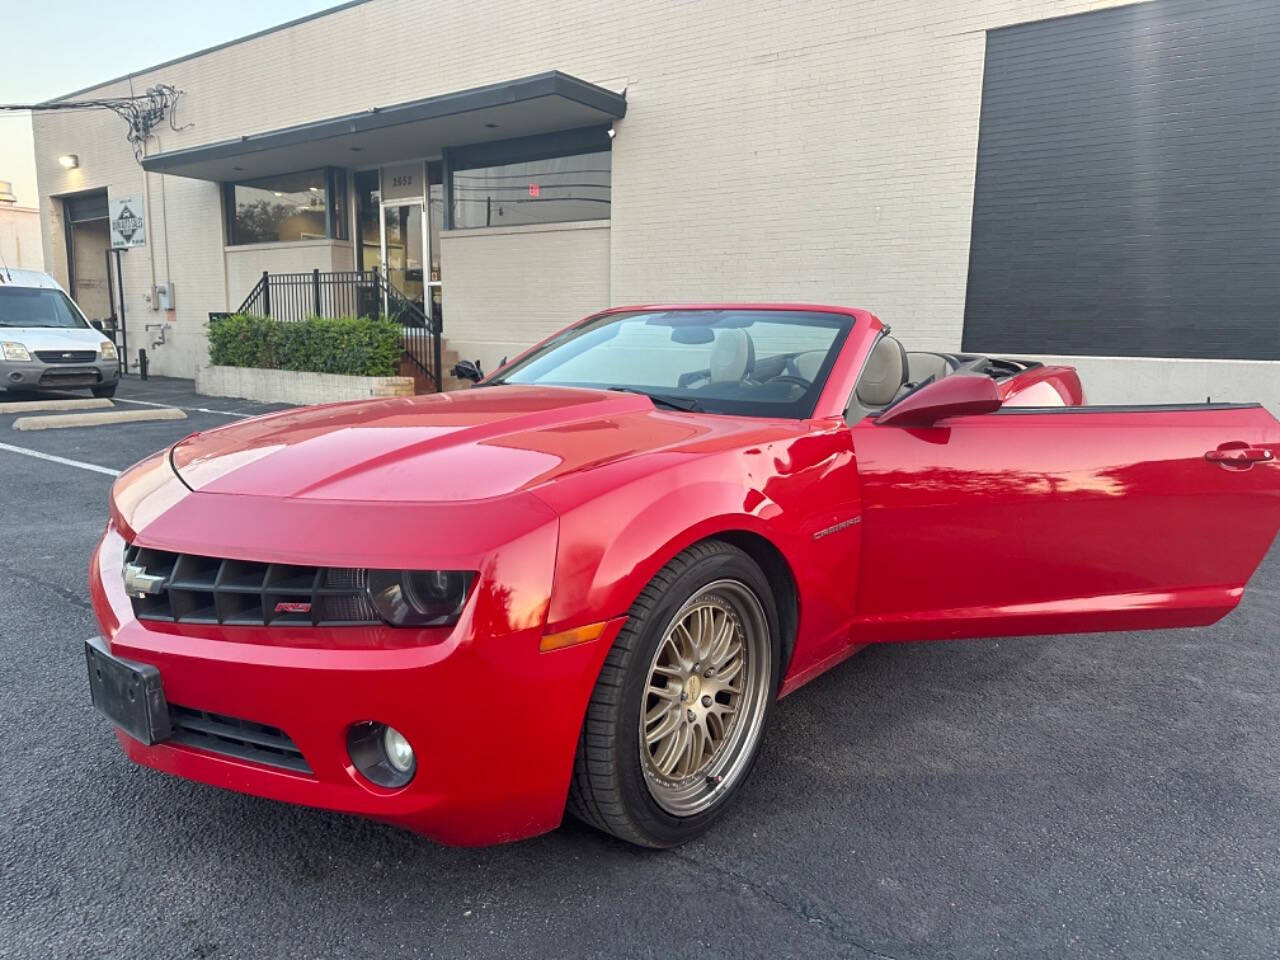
<point x="108" y="350"/>
<point x="15" y="351"/>
<point x="419" y="598"/>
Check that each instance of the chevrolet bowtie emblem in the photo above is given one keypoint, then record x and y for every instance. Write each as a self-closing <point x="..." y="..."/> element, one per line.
<point x="139" y="583"/>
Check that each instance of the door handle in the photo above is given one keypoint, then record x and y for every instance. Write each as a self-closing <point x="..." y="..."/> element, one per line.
<point x="1239" y="455"/>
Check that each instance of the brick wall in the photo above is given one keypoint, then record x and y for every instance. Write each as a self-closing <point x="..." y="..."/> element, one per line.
<point x="509" y="287"/>
<point x="813" y="149"/>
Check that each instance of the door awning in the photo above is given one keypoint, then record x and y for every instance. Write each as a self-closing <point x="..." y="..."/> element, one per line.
<point x="543" y="103"/>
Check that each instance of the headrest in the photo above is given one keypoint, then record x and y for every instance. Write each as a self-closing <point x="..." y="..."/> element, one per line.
<point x="733" y="356"/>
<point x="884" y="374"/>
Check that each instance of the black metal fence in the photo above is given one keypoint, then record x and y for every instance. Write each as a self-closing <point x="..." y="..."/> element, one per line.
<point x="365" y="293"/>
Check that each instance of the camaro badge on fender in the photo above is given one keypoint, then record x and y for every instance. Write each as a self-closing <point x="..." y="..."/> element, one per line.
<point x="139" y="583"/>
<point x="837" y="528"/>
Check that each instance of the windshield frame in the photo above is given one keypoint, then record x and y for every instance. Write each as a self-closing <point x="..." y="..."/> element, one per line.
<point x="841" y="321"/>
<point x="76" y="312"/>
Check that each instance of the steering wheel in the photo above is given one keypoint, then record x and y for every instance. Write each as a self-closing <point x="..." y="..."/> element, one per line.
<point x="799" y="381"/>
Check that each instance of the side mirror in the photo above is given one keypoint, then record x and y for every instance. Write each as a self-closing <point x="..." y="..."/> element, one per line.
<point x="96" y="324"/>
<point x="468" y="370"/>
<point x="959" y="395"/>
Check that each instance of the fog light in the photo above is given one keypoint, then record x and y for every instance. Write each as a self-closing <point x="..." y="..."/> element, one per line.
<point x="399" y="753"/>
<point x="381" y="753"/>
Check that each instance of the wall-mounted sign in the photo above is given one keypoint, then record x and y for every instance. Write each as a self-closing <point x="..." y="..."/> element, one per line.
<point x="127" y="227"/>
<point x="534" y="189"/>
<point x="403" y="182"/>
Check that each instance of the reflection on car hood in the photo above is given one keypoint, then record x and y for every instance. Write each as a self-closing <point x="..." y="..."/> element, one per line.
<point x="468" y="445"/>
<point x="53" y="338"/>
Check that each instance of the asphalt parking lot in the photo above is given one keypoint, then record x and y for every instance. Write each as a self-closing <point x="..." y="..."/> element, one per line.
<point x="1101" y="795"/>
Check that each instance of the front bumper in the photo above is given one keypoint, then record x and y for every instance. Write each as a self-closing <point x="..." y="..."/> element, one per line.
<point x="38" y="375"/>
<point x="494" y="722"/>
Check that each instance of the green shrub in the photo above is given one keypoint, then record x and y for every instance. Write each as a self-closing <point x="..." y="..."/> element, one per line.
<point x="361" y="346"/>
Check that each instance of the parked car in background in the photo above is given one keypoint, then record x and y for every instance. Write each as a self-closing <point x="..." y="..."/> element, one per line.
<point x="45" y="341"/>
<point x="584" y="583"/>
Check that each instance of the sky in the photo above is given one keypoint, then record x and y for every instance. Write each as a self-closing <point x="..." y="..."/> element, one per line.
<point x="70" y="44"/>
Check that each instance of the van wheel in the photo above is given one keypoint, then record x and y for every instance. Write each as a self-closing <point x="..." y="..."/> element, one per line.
<point x="106" y="390"/>
<point x="675" y="721"/>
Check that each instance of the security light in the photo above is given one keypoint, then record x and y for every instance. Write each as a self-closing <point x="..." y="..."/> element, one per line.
<point x="69" y="161"/>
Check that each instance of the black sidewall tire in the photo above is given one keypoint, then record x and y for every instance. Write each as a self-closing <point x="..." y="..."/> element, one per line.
<point x="661" y="827"/>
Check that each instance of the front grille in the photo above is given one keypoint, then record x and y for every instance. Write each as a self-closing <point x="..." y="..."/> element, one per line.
<point x="234" y="737"/>
<point x="70" y="378"/>
<point x="196" y="589"/>
<point x="67" y="356"/>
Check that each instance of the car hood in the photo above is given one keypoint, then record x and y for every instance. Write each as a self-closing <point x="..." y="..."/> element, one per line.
<point x="466" y="445"/>
<point x="54" y="338"/>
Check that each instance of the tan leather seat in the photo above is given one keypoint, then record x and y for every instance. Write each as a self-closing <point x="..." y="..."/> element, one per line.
<point x="921" y="366"/>
<point x="809" y="363"/>
<point x="733" y="356"/>
<point x="884" y="374"/>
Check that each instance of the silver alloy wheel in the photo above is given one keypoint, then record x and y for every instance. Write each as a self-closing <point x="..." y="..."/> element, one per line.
<point x="705" y="698"/>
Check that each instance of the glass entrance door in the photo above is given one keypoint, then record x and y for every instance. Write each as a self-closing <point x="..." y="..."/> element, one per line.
<point x="404" y="249"/>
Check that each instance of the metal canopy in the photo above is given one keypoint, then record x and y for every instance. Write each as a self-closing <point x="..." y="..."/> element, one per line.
<point x="543" y="103"/>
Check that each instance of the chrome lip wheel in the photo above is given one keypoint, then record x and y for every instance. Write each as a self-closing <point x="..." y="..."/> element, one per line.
<point x="705" y="699"/>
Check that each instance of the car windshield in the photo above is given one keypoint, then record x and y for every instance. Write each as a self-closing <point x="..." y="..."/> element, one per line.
<point x="766" y="363"/>
<point x="37" y="307"/>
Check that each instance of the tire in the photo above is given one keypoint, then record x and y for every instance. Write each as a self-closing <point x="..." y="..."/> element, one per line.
<point x="635" y="790"/>
<point x="106" y="390"/>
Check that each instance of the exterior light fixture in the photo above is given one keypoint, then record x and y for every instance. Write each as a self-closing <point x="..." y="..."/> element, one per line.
<point x="69" y="161"/>
<point x="612" y="133"/>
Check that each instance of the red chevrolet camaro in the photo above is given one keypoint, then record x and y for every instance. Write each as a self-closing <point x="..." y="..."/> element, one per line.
<point x="584" y="583"/>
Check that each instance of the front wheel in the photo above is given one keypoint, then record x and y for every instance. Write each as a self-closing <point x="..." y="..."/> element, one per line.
<point x="676" y="719"/>
<point x="106" y="390"/>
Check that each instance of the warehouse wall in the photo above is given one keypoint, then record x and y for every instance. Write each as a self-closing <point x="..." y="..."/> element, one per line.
<point x="183" y="222"/>
<point x="508" y="287"/>
<point x="20" y="243"/>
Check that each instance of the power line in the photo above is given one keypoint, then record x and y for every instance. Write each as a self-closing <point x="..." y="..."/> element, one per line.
<point x="142" y="112"/>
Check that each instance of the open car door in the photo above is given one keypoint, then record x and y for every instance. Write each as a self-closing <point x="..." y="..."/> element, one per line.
<point x="1059" y="520"/>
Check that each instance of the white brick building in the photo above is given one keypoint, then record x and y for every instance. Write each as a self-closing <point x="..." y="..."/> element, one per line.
<point x="809" y="151"/>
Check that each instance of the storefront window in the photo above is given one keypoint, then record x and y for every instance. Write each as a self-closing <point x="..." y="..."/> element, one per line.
<point x="292" y="206"/>
<point x="554" y="190"/>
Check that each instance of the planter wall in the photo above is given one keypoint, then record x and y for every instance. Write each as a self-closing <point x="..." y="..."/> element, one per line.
<point x="291" y="386"/>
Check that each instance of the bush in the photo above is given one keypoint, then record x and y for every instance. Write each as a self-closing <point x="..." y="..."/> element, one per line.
<point x="360" y="346"/>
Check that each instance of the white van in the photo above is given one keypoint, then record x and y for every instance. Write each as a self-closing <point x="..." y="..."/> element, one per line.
<point x="45" y="341"/>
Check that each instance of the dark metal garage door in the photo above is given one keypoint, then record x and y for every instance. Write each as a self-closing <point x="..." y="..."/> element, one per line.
<point x="1128" y="188"/>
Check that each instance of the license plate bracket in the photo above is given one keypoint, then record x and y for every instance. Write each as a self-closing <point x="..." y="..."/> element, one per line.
<point x="128" y="693"/>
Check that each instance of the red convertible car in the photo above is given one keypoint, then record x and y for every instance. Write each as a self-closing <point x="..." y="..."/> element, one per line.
<point x="583" y="584"/>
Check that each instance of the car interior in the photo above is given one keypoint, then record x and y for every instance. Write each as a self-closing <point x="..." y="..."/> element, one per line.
<point x="892" y="372"/>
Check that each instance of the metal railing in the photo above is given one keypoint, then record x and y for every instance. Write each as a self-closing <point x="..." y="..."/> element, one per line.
<point x="365" y="293"/>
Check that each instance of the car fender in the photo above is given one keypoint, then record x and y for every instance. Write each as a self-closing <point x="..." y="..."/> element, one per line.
<point x="603" y="561"/>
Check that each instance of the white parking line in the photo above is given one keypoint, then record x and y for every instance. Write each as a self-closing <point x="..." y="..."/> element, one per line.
<point x="63" y="460"/>
<point x="221" y="413"/>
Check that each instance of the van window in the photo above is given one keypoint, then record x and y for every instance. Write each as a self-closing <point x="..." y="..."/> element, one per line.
<point x="37" y="307"/>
